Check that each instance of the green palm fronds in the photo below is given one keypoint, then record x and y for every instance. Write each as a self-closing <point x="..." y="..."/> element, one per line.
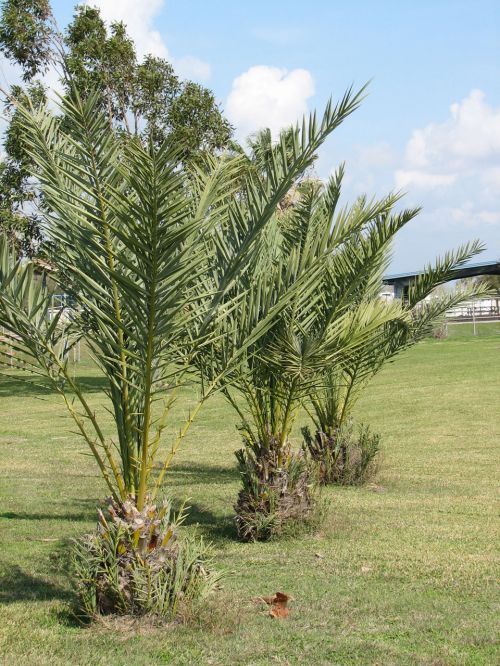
<point x="314" y="261"/>
<point x="339" y="385"/>
<point x="157" y="258"/>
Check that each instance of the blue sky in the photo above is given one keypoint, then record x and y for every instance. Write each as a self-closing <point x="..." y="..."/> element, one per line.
<point x="431" y="122"/>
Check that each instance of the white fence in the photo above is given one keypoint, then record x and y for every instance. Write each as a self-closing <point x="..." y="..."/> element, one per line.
<point x="481" y="309"/>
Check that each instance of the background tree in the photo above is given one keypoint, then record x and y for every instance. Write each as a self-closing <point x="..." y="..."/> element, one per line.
<point x="141" y="99"/>
<point x="19" y="196"/>
<point x="146" y="98"/>
<point x="26" y="34"/>
<point x="100" y="61"/>
<point x="491" y="285"/>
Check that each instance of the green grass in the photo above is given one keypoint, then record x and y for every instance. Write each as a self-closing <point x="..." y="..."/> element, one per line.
<point x="403" y="571"/>
<point x="483" y="329"/>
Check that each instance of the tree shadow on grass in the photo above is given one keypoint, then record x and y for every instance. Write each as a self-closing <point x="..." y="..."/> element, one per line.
<point x="18" y="585"/>
<point x="12" y="387"/>
<point x="191" y="474"/>
<point x="23" y="515"/>
<point x="212" y="524"/>
<point x="86" y="514"/>
<point x="215" y="526"/>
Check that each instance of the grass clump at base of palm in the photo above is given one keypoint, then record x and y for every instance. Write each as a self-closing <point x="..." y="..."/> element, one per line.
<point x="402" y="572"/>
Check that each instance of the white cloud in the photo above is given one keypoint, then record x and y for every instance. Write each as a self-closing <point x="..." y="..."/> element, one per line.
<point x="190" y="67"/>
<point x="375" y="155"/>
<point x="405" y="178"/>
<point x="138" y="16"/>
<point x="469" y="216"/>
<point x="491" y="180"/>
<point x="452" y="169"/>
<point x="369" y="168"/>
<point x="268" y="97"/>
<point x="463" y="145"/>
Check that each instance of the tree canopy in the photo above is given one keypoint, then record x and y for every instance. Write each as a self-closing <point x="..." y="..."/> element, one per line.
<point x="140" y="98"/>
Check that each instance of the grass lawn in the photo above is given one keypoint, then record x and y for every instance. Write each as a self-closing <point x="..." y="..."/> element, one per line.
<point x="466" y="330"/>
<point x="402" y="572"/>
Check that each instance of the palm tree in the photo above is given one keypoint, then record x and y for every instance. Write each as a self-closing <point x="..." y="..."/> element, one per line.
<point x="314" y="260"/>
<point x="343" y="457"/>
<point x="133" y="229"/>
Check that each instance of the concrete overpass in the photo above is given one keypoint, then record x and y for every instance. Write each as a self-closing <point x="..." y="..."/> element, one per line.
<point x="401" y="281"/>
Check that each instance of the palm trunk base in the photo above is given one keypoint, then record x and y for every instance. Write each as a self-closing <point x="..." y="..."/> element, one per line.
<point x="343" y="458"/>
<point x="278" y="491"/>
<point x="135" y="564"/>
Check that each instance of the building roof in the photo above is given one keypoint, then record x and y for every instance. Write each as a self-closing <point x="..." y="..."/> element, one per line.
<point x="469" y="270"/>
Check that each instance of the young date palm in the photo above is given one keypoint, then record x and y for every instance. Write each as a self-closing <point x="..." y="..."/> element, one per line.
<point x="136" y="237"/>
<point x="319" y="258"/>
<point x="344" y="457"/>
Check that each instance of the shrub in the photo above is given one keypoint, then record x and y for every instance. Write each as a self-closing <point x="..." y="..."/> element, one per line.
<point x="278" y="490"/>
<point x="343" y="458"/>
<point x="440" y="331"/>
<point x="135" y="564"/>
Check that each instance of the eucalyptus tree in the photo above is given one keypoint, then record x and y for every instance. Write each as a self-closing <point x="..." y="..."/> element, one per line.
<point x="144" y="99"/>
<point x="19" y="198"/>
